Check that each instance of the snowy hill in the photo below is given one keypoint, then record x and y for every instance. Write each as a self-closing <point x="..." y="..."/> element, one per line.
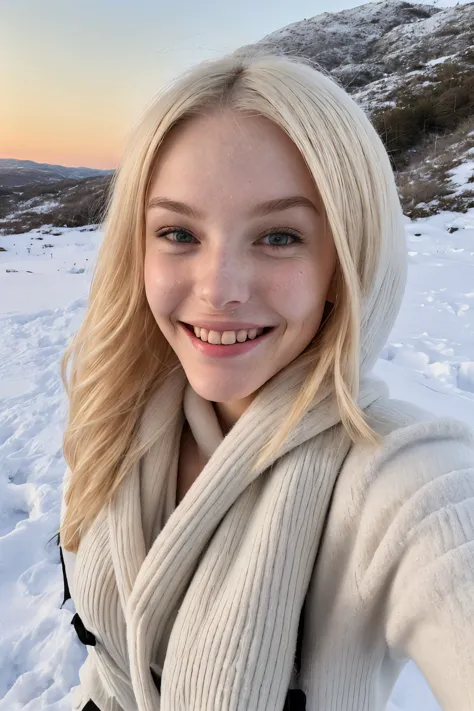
<point x="411" y="67"/>
<point x="366" y="43"/>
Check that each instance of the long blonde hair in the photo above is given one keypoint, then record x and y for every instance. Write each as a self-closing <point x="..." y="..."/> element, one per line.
<point x="119" y="355"/>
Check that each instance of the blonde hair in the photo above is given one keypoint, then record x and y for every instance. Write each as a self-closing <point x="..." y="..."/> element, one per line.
<point x="119" y="355"/>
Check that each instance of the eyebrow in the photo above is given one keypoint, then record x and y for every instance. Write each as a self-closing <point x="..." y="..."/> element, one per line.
<point x="260" y="210"/>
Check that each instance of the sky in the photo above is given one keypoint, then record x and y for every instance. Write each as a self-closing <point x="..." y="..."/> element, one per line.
<point x="75" y="76"/>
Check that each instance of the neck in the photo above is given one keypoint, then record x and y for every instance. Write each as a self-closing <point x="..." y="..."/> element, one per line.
<point x="229" y="412"/>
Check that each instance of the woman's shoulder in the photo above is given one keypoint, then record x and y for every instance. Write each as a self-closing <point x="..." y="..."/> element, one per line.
<point x="408" y="499"/>
<point x="417" y="451"/>
<point x="395" y="418"/>
<point x="408" y="430"/>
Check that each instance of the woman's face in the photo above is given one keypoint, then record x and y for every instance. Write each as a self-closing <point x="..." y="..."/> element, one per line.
<point x="235" y="242"/>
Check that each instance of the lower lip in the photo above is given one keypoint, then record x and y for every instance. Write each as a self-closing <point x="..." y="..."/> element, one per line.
<point x="220" y="351"/>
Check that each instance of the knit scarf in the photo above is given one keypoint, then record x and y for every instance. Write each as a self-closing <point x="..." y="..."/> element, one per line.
<point x="221" y="577"/>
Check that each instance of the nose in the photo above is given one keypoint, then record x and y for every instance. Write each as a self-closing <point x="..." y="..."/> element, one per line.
<point x="223" y="279"/>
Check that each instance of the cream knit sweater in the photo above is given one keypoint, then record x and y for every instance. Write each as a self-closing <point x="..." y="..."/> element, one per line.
<point x="393" y="579"/>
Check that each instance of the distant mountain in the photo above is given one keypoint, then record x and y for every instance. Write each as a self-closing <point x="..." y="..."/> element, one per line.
<point x="16" y="173"/>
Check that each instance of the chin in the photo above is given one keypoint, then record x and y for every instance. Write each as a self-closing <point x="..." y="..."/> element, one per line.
<point x="215" y="391"/>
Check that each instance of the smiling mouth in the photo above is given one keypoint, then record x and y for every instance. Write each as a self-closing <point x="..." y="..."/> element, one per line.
<point x="244" y="334"/>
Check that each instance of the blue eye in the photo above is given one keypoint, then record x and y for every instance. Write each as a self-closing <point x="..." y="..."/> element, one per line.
<point x="175" y="231"/>
<point x="285" y="235"/>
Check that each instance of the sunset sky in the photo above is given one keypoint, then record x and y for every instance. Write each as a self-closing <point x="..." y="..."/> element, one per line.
<point x="75" y="76"/>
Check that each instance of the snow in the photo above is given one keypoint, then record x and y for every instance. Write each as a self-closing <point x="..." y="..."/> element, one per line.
<point x="426" y="26"/>
<point x="44" y="282"/>
<point x="43" y="206"/>
<point x="461" y="174"/>
<point x="440" y="60"/>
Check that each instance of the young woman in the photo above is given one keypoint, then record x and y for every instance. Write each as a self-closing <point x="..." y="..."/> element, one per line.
<point x="249" y="522"/>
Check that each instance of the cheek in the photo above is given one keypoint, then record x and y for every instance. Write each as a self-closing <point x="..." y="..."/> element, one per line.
<point x="163" y="287"/>
<point x="299" y="294"/>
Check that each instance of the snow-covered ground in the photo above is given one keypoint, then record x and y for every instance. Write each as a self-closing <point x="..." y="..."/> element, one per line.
<point x="44" y="280"/>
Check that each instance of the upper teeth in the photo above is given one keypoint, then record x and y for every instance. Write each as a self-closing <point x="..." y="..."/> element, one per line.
<point x="226" y="337"/>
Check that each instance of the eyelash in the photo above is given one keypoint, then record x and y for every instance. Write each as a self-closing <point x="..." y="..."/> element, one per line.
<point x="287" y="233"/>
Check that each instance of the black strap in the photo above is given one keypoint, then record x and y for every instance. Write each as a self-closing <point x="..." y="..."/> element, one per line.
<point x="156" y="679"/>
<point x="84" y="635"/>
<point x="90" y="706"/>
<point x="295" y="700"/>
<point x="299" y="640"/>
<point x="67" y="594"/>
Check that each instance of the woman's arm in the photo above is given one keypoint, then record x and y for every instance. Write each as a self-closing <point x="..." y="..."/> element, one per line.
<point x="416" y="538"/>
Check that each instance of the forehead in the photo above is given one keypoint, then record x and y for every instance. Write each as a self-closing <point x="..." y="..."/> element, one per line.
<point x="228" y="150"/>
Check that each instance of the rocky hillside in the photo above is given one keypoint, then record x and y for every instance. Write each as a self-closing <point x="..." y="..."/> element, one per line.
<point x="36" y="194"/>
<point x="60" y="203"/>
<point x="370" y="42"/>
<point x="410" y="66"/>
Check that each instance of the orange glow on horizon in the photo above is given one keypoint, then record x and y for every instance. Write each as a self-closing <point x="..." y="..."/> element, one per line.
<point x="104" y="161"/>
<point x="69" y="135"/>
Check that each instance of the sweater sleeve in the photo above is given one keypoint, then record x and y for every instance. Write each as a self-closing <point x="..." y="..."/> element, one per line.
<point x="416" y="544"/>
